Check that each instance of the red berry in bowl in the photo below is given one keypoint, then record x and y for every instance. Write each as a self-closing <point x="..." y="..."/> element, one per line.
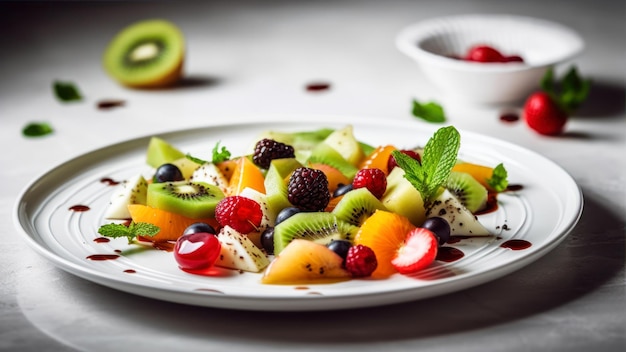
<point x="544" y="115"/>
<point x="197" y="250"/>
<point x="484" y="53"/>
<point x="373" y="179"/>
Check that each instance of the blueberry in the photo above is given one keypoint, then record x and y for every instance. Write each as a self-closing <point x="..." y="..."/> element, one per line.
<point x="267" y="240"/>
<point x="342" y="189"/>
<point x="440" y="227"/>
<point x="167" y="173"/>
<point x="286" y="213"/>
<point x="340" y="247"/>
<point x="199" y="227"/>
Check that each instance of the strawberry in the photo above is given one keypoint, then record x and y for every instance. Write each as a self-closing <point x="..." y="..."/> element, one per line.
<point x="547" y="111"/>
<point x="544" y="115"/>
<point x="417" y="252"/>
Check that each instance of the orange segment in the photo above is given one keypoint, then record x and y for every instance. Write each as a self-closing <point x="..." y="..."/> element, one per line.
<point x="378" y="158"/>
<point x="480" y="172"/>
<point x="334" y="176"/>
<point x="246" y="174"/>
<point x="384" y="232"/>
<point x="171" y="225"/>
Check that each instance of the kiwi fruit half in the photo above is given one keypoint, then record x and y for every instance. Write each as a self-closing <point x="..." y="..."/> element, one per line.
<point x="467" y="190"/>
<point x="146" y="54"/>
<point x="195" y="200"/>
<point x="357" y="205"/>
<point x="319" y="227"/>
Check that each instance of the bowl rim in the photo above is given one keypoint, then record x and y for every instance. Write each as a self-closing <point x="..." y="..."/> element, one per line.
<point x="407" y="37"/>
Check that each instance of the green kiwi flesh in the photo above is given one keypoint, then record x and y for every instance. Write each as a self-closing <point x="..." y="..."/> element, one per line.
<point x="357" y="205"/>
<point x="468" y="191"/>
<point x="146" y="54"/>
<point x="275" y="185"/>
<point x="319" y="227"/>
<point x="195" y="200"/>
<point x="160" y="152"/>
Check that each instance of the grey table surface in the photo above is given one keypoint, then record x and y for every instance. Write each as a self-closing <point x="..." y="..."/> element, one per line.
<point x="254" y="58"/>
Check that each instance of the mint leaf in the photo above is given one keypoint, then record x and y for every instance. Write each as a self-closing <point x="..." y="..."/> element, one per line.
<point x="498" y="180"/>
<point x="439" y="156"/>
<point x="220" y="155"/>
<point x="37" y="129"/>
<point x="195" y="160"/>
<point x="131" y="231"/>
<point x="66" y="91"/>
<point x="430" y="112"/>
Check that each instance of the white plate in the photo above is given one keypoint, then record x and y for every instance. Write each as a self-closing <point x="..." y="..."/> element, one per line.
<point x="543" y="212"/>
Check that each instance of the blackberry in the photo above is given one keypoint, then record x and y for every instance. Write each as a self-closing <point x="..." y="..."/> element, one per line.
<point x="267" y="150"/>
<point x="308" y="189"/>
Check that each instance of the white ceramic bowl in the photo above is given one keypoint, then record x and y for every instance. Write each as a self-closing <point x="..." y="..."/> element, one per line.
<point x="539" y="42"/>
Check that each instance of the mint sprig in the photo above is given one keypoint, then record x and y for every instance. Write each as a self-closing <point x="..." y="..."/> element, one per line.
<point x="429" y="112"/>
<point x="220" y="154"/>
<point x="570" y="92"/>
<point x="130" y="232"/>
<point x="37" y="129"/>
<point x="439" y="156"/>
<point x="498" y="180"/>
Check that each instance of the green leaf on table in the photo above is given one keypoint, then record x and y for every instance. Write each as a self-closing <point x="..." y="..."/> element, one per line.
<point x="430" y="112"/>
<point x="37" y="129"/>
<point x="438" y="158"/>
<point x="66" y="91"/>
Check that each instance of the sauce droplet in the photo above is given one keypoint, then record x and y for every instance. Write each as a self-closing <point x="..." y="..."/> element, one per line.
<point x="316" y="87"/>
<point x="79" y="208"/>
<point x="509" y="117"/>
<point x="110" y="103"/>
<point x="101" y="240"/>
<point x="109" y="181"/>
<point x="449" y="254"/>
<point x="516" y="245"/>
<point x="103" y="257"/>
<point x="129" y="271"/>
<point x="513" y="188"/>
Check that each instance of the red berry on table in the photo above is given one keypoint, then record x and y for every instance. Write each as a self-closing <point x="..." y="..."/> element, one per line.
<point x="417" y="252"/>
<point x="391" y="162"/>
<point x="241" y="213"/>
<point x="375" y="180"/>
<point x="484" y="53"/>
<point x="361" y="261"/>
<point x="544" y="115"/>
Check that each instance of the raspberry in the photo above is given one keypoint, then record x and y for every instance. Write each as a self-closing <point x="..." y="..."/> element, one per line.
<point x="391" y="163"/>
<point x="361" y="261"/>
<point x="308" y="189"/>
<point x="374" y="180"/>
<point x="241" y="213"/>
<point x="267" y="150"/>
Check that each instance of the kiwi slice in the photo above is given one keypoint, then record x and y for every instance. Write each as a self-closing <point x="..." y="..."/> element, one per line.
<point x="319" y="227"/>
<point x="146" y="54"/>
<point x="195" y="200"/>
<point x="467" y="190"/>
<point x="357" y="205"/>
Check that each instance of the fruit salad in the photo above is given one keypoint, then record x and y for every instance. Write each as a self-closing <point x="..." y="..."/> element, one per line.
<point x="307" y="207"/>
